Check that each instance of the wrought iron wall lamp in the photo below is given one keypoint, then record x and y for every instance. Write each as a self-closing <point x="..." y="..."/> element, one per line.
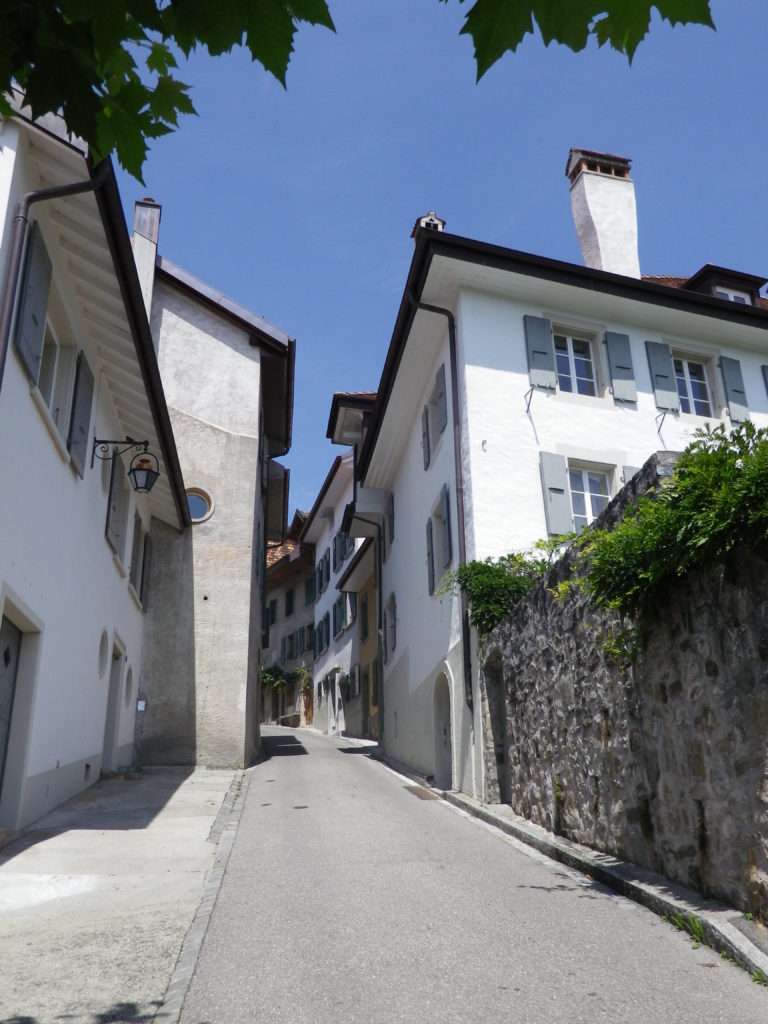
<point x="144" y="468"/>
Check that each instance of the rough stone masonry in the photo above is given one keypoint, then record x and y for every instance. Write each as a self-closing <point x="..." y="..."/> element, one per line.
<point x="661" y="761"/>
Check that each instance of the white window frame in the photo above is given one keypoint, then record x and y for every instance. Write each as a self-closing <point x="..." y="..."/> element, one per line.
<point x="724" y="291"/>
<point x="705" y="361"/>
<point x="570" y="335"/>
<point x="607" y="473"/>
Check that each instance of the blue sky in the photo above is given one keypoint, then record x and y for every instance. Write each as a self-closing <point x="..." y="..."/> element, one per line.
<point x="299" y="203"/>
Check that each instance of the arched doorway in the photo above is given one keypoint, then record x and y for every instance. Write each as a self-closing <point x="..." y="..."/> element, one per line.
<point x="443" y="747"/>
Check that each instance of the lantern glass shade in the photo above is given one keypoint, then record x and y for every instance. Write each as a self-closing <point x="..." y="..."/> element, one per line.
<point x="143" y="473"/>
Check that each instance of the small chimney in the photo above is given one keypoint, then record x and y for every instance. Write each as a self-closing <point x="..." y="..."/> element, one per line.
<point x="604" y="211"/>
<point x="430" y="221"/>
<point x="146" y="229"/>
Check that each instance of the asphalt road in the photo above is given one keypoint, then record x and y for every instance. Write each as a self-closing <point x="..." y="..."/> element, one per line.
<point x="350" y="898"/>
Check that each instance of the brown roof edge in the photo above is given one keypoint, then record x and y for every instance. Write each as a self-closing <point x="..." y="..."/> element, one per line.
<point x="348" y="400"/>
<point x="439" y="243"/>
<point x="265" y="333"/>
<point x="321" y="494"/>
<point x="111" y="209"/>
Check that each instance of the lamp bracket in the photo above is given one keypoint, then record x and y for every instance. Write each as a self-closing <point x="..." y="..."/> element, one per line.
<point x="102" y="449"/>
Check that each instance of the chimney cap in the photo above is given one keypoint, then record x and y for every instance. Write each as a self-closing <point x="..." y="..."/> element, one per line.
<point x="430" y="221"/>
<point x="600" y="163"/>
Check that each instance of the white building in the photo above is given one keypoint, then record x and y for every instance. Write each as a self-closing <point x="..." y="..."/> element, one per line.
<point x="289" y="628"/>
<point x="336" y="671"/>
<point x="78" y="365"/>
<point x="518" y="395"/>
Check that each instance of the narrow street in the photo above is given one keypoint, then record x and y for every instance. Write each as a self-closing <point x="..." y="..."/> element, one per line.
<point x="353" y="895"/>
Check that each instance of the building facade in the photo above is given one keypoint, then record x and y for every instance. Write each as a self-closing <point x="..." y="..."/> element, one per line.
<point x="518" y="395"/>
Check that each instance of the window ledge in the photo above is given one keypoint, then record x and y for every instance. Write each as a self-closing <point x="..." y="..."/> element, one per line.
<point x="119" y="564"/>
<point x="53" y="430"/>
<point x="593" y="401"/>
<point x="134" y="594"/>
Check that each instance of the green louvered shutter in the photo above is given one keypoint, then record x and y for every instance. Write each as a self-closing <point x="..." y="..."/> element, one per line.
<point x="430" y="557"/>
<point x="441" y="402"/>
<point x="425" y="436"/>
<point x="734" y="389"/>
<point x="33" y="304"/>
<point x="540" y="349"/>
<point x="557" y="499"/>
<point x="662" y="375"/>
<point x="79" y="424"/>
<point x="620" y="364"/>
<point x="445" y="515"/>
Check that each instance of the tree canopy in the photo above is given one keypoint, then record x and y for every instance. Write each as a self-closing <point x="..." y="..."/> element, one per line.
<point x="109" y="66"/>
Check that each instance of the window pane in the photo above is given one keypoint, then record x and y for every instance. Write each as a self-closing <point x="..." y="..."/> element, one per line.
<point x="598" y="483"/>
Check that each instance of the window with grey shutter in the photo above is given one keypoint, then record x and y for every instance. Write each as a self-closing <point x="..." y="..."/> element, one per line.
<point x="430" y="557"/>
<point x="33" y="303"/>
<point x="137" y="553"/>
<point x="425" y="436"/>
<point x="765" y="378"/>
<point x="557" y="501"/>
<point x="620" y="364"/>
<point x="117" y="508"/>
<point x="282" y="648"/>
<point x="445" y="515"/>
<point x="326" y="567"/>
<point x="734" y="389"/>
<point x="540" y="349"/>
<point x="662" y="375"/>
<point x="441" y="402"/>
<point x="80" y="423"/>
<point x="300" y="641"/>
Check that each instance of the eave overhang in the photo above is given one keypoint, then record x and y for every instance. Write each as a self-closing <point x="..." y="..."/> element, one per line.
<point x="93" y="243"/>
<point x="360" y="569"/>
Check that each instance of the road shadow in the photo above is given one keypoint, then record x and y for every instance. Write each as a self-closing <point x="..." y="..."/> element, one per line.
<point x="352" y="750"/>
<point x="118" y="1013"/>
<point x="112" y="804"/>
<point x="279" y="746"/>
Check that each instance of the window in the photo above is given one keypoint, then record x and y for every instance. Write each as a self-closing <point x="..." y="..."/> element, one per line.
<point x="318" y="580"/>
<point x="273" y="611"/>
<point x="63" y="377"/>
<point x="375" y="676"/>
<point x="117" y="508"/>
<point x="309" y="644"/>
<point x="692" y="387"/>
<point x="732" y="295"/>
<point x="323" y="572"/>
<point x="289" y="602"/>
<point x="589" y="495"/>
<point x="363" y="619"/>
<point x="434" y="417"/>
<point x="342" y="545"/>
<point x="438" y="540"/>
<point x="574" y="495"/>
<point x="339" y="614"/>
<point x="290" y="646"/>
<point x="365" y="680"/>
<point x="353" y="683"/>
<point x="326" y="623"/>
<point x="200" y="504"/>
<point x="573" y="356"/>
<point x="390" y="517"/>
<point x="309" y="591"/>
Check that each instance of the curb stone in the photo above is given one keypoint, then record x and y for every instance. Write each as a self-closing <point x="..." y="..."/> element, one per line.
<point x="653" y="891"/>
<point x="223" y="832"/>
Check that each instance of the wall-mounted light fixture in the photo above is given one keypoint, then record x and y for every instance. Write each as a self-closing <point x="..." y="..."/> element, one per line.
<point x="144" y="468"/>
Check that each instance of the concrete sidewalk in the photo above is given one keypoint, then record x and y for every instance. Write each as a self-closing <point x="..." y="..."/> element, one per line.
<point x="103" y="902"/>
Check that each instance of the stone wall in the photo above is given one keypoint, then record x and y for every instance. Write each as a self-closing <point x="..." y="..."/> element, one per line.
<point x="663" y="761"/>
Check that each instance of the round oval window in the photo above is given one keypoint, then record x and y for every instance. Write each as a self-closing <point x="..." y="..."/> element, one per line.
<point x="200" y="504"/>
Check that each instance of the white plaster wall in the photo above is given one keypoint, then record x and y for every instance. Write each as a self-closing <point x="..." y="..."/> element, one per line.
<point x="428" y="626"/>
<point x="503" y="442"/>
<point x="58" y="576"/>
<point x="208" y="366"/>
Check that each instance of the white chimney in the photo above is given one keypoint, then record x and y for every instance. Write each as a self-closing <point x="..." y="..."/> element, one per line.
<point x="146" y="230"/>
<point x="604" y="211"/>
